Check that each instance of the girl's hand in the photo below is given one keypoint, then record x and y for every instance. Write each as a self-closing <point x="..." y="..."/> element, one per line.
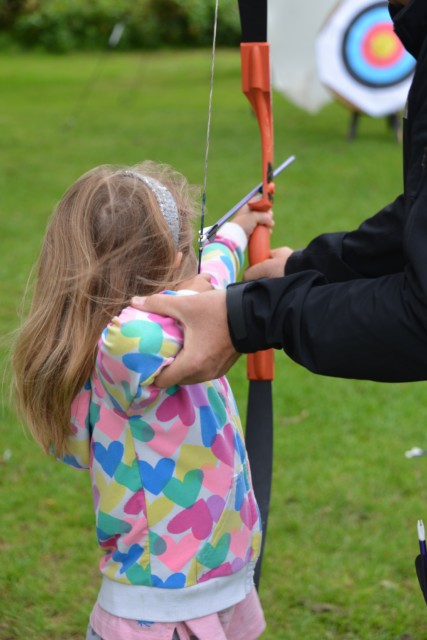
<point x="248" y="219"/>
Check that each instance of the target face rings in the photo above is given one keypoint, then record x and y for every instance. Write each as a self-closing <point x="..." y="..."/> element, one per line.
<point x="361" y="59"/>
<point x="372" y="53"/>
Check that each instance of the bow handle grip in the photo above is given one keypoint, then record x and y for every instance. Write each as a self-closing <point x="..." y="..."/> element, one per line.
<point x="259" y="245"/>
<point x="260" y="366"/>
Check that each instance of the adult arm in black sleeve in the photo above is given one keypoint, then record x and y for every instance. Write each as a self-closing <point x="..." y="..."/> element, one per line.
<point x="373" y="329"/>
<point x="374" y="249"/>
<point x="367" y="328"/>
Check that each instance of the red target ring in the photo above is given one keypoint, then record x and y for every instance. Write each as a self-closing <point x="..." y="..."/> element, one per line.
<point x="380" y="47"/>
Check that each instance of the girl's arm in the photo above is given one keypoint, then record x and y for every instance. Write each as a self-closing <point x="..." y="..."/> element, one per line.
<point x="79" y="442"/>
<point x="223" y="258"/>
<point x="133" y="349"/>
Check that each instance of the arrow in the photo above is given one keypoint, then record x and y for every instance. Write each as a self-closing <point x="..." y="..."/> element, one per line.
<point x="209" y="233"/>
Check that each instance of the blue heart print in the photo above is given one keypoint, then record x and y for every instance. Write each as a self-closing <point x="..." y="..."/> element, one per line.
<point x="240" y="446"/>
<point x="175" y="581"/>
<point x="240" y="492"/>
<point x="110" y="458"/>
<point x="145" y="366"/>
<point x="208" y="425"/>
<point x="156" y="478"/>
<point x="129" y="558"/>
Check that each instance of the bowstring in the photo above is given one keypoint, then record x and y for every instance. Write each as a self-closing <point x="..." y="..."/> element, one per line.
<point x="208" y="136"/>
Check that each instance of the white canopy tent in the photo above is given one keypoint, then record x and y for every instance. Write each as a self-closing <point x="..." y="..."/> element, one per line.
<point x="293" y="26"/>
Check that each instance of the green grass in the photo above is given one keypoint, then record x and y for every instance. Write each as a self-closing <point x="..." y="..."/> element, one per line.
<point x="341" y="545"/>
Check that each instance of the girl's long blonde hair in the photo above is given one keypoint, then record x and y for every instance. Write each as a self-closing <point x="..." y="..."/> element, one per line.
<point x="107" y="240"/>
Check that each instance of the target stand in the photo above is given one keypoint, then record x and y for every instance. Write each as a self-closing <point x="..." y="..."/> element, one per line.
<point x="363" y="63"/>
<point x="393" y="122"/>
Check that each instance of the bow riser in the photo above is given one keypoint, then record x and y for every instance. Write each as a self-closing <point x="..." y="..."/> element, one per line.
<point x="256" y="85"/>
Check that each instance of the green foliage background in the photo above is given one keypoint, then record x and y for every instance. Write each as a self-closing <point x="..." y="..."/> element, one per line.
<point x="72" y="25"/>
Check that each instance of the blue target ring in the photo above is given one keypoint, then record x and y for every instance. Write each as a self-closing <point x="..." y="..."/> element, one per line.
<point x="372" y="53"/>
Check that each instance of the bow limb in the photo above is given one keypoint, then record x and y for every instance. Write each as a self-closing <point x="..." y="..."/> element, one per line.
<point x="256" y="85"/>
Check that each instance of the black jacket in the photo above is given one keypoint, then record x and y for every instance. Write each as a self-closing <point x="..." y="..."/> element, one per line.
<point x="355" y="304"/>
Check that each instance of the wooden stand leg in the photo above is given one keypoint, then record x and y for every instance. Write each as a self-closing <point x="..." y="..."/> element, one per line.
<point x="354" y="122"/>
<point x="394" y="123"/>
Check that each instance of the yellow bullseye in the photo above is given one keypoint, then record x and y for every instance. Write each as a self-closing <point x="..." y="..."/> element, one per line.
<point x="383" y="46"/>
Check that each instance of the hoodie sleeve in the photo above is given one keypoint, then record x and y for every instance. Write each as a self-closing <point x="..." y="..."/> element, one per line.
<point x="133" y="349"/>
<point x="223" y="258"/>
<point x="79" y="442"/>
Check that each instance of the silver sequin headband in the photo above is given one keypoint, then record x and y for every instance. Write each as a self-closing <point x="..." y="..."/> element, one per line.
<point x="165" y="200"/>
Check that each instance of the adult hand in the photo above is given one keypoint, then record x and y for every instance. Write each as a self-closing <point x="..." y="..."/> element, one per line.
<point x="208" y="351"/>
<point x="273" y="267"/>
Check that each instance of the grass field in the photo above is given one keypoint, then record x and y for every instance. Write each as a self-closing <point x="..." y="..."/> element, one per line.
<point x="342" y="539"/>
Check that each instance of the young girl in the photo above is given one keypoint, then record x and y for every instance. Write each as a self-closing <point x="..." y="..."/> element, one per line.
<point x="176" y="516"/>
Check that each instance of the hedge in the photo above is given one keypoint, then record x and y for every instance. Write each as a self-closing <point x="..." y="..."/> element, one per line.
<point x="69" y="25"/>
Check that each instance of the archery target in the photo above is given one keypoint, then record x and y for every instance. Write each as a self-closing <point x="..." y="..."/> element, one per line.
<point x="372" y="52"/>
<point x="362" y="60"/>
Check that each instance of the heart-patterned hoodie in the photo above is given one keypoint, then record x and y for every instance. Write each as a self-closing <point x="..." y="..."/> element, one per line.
<point x="176" y="515"/>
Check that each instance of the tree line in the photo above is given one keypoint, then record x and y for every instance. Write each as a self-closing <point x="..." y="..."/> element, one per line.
<point x="60" y="26"/>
